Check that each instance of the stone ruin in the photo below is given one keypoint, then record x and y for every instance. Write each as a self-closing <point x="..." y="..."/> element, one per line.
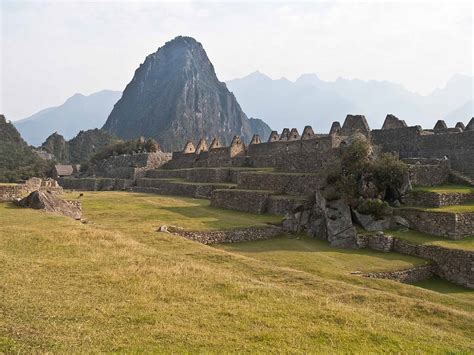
<point x="15" y="191"/>
<point x="50" y="202"/>
<point x="285" y="175"/>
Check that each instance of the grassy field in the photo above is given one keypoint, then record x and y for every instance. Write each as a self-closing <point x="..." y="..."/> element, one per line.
<point x="116" y="285"/>
<point x="449" y="188"/>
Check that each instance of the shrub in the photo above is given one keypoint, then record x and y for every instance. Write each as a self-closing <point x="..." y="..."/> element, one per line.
<point x="388" y="171"/>
<point x="375" y="207"/>
<point x="355" y="157"/>
<point x="128" y="147"/>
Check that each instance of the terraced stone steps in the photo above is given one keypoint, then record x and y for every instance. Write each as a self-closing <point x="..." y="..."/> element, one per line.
<point x="179" y="187"/>
<point x="284" y="183"/>
<point x="449" y="195"/>
<point x="256" y="201"/>
<point x="209" y="175"/>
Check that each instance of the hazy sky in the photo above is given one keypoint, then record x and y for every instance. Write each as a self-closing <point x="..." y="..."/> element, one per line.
<point x="53" y="49"/>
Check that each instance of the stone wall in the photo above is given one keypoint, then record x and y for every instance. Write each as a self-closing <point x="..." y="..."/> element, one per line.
<point x="379" y="242"/>
<point x="282" y="204"/>
<point x="241" y="200"/>
<point x="169" y="187"/>
<point x="413" y="142"/>
<point x="437" y="199"/>
<point x="304" y="155"/>
<point x="428" y="175"/>
<point x="129" y="166"/>
<point x="281" y="182"/>
<point x="95" y="184"/>
<point x="11" y="192"/>
<point x="409" y="276"/>
<point x="229" y="236"/>
<point x="14" y="192"/>
<point x="444" y="224"/>
<point x="454" y="265"/>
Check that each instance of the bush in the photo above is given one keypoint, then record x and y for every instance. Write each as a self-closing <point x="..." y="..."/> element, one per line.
<point x="128" y="147"/>
<point x="355" y="157"/>
<point x="375" y="207"/>
<point x="388" y="171"/>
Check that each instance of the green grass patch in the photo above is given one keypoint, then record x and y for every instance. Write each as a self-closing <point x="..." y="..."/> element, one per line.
<point x="422" y="238"/>
<point x="466" y="207"/>
<point x="449" y="188"/>
<point x="150" y="211"/>
<point x="437" y="284"/>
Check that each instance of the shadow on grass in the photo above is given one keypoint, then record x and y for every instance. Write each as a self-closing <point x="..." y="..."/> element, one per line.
<point x="11" y="206"/>
<point x="305" y="244"/>
<point x="439" y="285"/>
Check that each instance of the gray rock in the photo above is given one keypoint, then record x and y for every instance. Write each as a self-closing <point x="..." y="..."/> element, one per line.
<point x="49" y="202"/>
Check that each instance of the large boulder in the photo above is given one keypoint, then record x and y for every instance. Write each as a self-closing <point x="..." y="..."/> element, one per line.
<point x="50" y="202"/>
<point x="370" y="223"/>
<point x="331" y="221"/>
<point x="326" y="220"/>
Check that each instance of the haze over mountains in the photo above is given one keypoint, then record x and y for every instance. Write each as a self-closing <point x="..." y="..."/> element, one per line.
<point x="182" y="100"/>
<point x="78" y="113"/>
<point x="310" y="100"/>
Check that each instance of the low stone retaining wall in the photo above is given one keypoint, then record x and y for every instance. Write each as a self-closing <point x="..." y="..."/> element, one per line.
<point x="210" y="175"/>
<point x="289" y="183"/>
<point x="229" y="236"/>
<point x="409" y="276"/>
<point x="379" y="242"/>
<point x="454" y="265"/>
<point x="169" y="187"/>
<point x="242" y="200"/>
<point x="436" y="199"/>
<point x="95" y="184"/>
<point x="166" y="174"/>
<point x="11" y="192"/>
<point x="280" y="205"/>
<point x="429" y="175"/>
<point x="443" y="224"/>
<point x="195" y="191"/>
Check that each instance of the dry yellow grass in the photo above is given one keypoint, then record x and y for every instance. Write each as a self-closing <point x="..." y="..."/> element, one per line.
<point x="116" y="285"/>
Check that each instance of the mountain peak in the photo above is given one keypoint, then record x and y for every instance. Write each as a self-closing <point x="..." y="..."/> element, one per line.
<point x="174" y="96"/>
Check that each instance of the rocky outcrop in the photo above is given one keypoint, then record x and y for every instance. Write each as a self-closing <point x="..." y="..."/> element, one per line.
<point x="322" y="219"/>
<point x="50" y="202"/>
<point x="80" y="148"/>
<point x="408" y="276"/>
<point x="370" y="223"/>
<point x="175" y="95"/>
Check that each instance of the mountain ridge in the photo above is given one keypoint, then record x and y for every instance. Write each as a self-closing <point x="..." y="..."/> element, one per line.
<point x="78" y="112"/>
<point x="175" y="96"/>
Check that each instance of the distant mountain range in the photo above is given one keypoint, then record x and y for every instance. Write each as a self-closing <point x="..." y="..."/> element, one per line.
<point x="280" y="103"/>
<point x="78" y="113"/>
<point x="310" y="100"/>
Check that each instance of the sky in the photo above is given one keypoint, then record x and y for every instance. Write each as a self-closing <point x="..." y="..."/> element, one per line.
<point x="51" y="50"/>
